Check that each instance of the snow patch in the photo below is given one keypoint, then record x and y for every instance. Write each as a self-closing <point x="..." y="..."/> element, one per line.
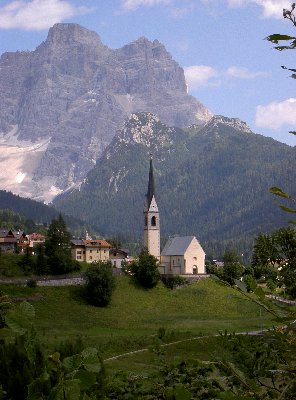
<point x="20" y="176"/>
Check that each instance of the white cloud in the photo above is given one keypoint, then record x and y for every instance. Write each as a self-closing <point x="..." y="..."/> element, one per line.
<point x="274" y="115"/>
<point x="270" y="8"/>
<point x="203" y="75"/>
<point x="200" y="75"/>
<point x="131" y="5"/>
<point x="179" y="13"/>
<point x="244" y="73"/>
<point x="37" y="14"/>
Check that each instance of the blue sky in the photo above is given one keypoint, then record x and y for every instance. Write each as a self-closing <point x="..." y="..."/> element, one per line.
<point x="220" y="44"/>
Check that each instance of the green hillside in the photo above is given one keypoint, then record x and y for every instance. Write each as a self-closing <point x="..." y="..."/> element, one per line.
<point x="135" y="315"/>
<point x="20" y="213"/>
<point x="211" y="182"/>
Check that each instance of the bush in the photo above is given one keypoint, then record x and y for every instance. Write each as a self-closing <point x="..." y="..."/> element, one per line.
<point x="172" y="282"/>
<point x="100" y="284"/>
<point x="250" y="282"/>
<point x="271" y="284"/>
<point x="145" y="270"/>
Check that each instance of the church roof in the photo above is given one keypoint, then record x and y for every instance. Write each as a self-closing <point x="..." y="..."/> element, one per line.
<point x="177" y="245"/>
<point x="151" y="185"/>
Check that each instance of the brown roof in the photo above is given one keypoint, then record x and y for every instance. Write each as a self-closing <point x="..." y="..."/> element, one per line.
<point x="34" y="236"/>
<point x="97" y="243"/>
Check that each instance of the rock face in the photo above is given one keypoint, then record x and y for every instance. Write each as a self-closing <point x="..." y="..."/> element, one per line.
<point x="62" y="104"/>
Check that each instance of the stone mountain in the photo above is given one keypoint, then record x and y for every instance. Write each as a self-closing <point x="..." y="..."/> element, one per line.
<point x="62" y="103"/>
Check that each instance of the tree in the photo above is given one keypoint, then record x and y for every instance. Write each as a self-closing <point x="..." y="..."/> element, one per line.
<point x="276" y="258"/>
<point x="41" y="264"/>
<point x="232" y="269"/>
<point x="277" y="38"/>
<point x="145" y="270"/>
<point x="100" y="283"/>
<point x="58" y="248"/>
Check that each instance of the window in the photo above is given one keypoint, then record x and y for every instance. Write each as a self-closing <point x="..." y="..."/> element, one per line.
<point x="78" y="251"/>
<point x="90" y="257"/>
<point x="78" y="257"/>
<point x="90" y="251"/>
<point x="153" y="221"/>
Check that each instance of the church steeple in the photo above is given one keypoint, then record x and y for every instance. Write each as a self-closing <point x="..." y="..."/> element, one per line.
<point x="151" y="218"/>
<point x="151" y="185"/>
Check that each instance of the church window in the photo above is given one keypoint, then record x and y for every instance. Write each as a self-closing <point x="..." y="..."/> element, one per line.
<point x="153" y="221"/>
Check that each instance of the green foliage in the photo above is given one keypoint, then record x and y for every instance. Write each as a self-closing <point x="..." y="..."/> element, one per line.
<point x="10" y="265"/>
<point x="232" y="268"/>
<point x="100" y="284"/>
<point x="29" y="215"/>
<point x="174" y="281"/>
<point x="250" y="282"/>
<point x="58" y="248"/>
<point x="271" y="284"/>
<point x="27" y="263"/>
<point x="12" y="220"/>
<point x="248" y="368"/>
<point x="145" y="270"/>
<point x="190" y="180"/>
<point x="26" y="373"/>
<point x="275" y="257"/>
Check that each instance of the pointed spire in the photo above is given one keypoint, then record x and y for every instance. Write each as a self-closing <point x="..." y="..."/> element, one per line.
<point x="151" y="186"/>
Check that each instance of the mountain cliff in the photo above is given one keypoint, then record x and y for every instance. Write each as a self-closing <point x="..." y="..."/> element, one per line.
<point x="211" y="181"/>
<point x="62" y="103"/>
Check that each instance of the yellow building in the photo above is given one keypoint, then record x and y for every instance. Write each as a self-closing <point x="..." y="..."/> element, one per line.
<point x="90" y="250"/>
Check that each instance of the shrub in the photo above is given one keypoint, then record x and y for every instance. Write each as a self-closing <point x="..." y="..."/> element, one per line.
<point x="145" y="270"/>
<point x="100" y="284"/>
<point x="271" y="284"/>
<point x="250" y="282"/>
<point x="172" y="282"/>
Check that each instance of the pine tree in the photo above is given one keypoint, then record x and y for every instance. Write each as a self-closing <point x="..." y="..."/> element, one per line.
<point x="58" y="248"/>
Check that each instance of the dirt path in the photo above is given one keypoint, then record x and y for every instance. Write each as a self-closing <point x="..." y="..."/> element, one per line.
<point x="252" y="333"/>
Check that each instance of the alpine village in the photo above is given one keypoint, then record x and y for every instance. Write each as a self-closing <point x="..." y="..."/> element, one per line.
<point x="147" y="246"/>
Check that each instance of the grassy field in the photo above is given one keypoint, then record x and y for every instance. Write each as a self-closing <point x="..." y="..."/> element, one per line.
<point x="136" y="317"/>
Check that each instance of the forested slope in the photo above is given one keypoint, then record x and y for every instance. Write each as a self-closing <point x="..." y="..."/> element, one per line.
<point x="211" y="182"/>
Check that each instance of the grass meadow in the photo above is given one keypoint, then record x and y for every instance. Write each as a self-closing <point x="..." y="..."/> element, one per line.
<point x="139" y="318"/>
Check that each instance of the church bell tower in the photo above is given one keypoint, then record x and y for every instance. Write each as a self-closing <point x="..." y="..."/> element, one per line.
<point x="151" y="218"/>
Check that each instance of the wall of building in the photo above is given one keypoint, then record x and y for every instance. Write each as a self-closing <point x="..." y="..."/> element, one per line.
<point x="194" y="257"/>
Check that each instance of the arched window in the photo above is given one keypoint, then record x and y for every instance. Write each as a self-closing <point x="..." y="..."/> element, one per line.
<point x="153" y="221"/>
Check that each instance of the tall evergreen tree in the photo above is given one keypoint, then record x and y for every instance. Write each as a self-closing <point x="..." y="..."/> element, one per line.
<point x="58" y="248"/>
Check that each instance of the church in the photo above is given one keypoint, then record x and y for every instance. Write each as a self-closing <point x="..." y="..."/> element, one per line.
<point x="182" y="255"/>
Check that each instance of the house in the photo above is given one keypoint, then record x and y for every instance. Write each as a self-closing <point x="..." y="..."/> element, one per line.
<point x="118" y="257"/>
<point x="90" y="250"/>
<point x="35" y="240"/>
<point x="8" y="240"/>
<point x="182" y="255"/>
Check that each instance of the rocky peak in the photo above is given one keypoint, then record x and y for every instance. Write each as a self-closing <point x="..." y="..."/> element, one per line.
<point x="63" y="34"/>
<point x="68" y="98"/>
<point x="235" y="123"/>
<point x="145" y="129"/>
